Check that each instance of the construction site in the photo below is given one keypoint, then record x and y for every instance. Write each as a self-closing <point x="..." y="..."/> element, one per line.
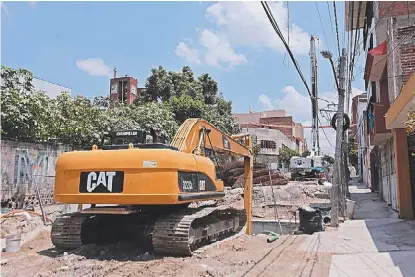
<point x="170" y="178"/>
<point x="201" y="213"/>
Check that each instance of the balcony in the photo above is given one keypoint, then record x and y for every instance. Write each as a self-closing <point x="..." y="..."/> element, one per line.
<point x="379" y="134"/>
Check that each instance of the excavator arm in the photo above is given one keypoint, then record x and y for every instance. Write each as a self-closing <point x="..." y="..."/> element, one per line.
<point x="195" y="134"/>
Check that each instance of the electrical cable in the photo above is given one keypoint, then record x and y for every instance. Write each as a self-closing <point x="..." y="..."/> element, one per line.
<point x="337" y="26"/>
<point x="322" y="27"/>
<point x="279" y="33"/>
<point x="324" y="132"/>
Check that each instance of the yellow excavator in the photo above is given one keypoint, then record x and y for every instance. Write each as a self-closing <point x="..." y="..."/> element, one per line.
<point x="147" y="189"/>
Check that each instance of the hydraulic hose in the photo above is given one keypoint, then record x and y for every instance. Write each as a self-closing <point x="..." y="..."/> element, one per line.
<point x="274" y="236"/>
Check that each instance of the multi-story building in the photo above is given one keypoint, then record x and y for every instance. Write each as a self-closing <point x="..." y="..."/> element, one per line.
<point x="124" y="89"/>
<point x="273" y="130"/>
<point x="389" y="43"/>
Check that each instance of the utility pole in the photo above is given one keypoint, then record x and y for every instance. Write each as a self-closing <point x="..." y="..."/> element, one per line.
<point x="314" y="100"/>
<point x="338" y="171"/>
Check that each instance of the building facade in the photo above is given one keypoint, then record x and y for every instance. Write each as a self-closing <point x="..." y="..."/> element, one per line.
<point x="389" y="42"/>
<point x="358" y="133"/>
<point x="51" y="89"/>
<point x="272" y="130"/>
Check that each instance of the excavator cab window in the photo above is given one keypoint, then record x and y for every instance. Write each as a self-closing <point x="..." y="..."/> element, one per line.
<point x="122" y="138"/>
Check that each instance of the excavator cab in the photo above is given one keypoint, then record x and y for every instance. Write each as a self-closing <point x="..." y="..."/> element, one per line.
<point x="122" y="138"/>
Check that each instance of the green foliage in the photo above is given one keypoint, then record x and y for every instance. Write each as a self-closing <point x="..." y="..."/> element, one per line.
<point x="169" y="99"/>
<point x="352" y="152"/>
<point x="306" y="153"/>
<point x="186" y="96"/>
<point x="410" y="122"/>
<point x="286" y="154"/>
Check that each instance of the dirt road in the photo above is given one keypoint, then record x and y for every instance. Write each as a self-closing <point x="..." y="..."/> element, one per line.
<point x="240" y="256"/>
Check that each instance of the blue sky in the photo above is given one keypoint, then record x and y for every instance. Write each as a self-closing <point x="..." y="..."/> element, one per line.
<point x="76" y="44"/>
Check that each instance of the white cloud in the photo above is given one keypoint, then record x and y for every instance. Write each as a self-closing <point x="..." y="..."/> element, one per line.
<point x="32" y="3"/>
<point x="219" y="50"/>
<point x="265" y="101"/>
<point x="244" y="24"/>
<point x="298" y="106"/>
<point x="215" y="51"/>
<point x="189" y="54"/>
<point x="94" y="67"/>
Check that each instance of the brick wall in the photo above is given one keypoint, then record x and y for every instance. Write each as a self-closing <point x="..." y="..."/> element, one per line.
<point x="407" y="49"/>
<point x="286" y="120"/>
<point x="399" y="8"/>
<point x="401" y="54"/>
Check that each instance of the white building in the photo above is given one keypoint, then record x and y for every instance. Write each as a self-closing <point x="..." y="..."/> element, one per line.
<point x="51" y="89"/>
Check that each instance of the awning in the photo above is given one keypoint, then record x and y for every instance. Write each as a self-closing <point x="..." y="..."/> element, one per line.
<point x="375" y="63"/>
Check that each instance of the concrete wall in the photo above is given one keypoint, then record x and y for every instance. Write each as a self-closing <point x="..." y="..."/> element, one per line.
<point x="22" y="164"/>
<point x="246" y="118"/>
<point x="270" y="134"/>
<point x="51" y="89"/>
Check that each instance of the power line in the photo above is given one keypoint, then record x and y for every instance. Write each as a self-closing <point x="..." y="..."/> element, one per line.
<point x="321" y="23"/>
<point x="332" y="27"/>
<point x="356" y="41"/>
<point x="324" y="132"/>
<point x="280" y="35"/>
<point x="337" y="26"/>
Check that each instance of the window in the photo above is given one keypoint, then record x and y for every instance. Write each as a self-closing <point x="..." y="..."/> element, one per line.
<point x="270" y="144"/>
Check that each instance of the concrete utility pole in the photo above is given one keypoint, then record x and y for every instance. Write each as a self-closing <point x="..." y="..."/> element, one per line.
<point x="314" y="92"/>
<point x="338" y="170"/>
<point x="337" y="188"/>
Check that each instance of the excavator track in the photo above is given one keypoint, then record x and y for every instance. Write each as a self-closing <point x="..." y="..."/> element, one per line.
<point x="178" y="233"/>
<point x="183" y="232"/>
<point x="66" y="231"/>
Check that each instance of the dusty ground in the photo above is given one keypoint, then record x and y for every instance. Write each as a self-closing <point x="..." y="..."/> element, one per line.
<point x="240" y="256"/>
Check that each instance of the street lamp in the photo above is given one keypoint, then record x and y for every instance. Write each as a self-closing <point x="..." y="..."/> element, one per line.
<point x="328" y="55"/>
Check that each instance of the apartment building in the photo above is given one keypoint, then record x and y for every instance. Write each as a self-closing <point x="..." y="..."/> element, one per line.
<point x="272" y="130"/>
<point x="389" y="43"/>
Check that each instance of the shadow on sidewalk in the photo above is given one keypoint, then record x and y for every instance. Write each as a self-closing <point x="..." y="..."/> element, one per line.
<point x="392" y="236"/>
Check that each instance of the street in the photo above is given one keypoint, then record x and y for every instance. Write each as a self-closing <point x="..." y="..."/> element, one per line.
<point x="374" y="243"/>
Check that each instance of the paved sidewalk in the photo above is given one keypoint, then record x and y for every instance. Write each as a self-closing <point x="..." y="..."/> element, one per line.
<point x="375" y="243"/>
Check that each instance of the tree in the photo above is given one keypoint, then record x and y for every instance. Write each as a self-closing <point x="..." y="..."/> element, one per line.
<point x="410" y="122"/>
<point x="209" y="89"/>
<point x="169" y="99"/>
<point x="159" y="85"/>
<point x="352" y="152"/>
<point x="306" y="154"/>
<point x="286" y="154"/>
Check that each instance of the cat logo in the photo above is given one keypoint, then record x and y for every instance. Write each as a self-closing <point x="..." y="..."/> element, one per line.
<point x="102" y="178"/>
<point x="299" y="162"/>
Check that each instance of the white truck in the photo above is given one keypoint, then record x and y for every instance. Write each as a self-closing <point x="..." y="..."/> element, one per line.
<point x="311" y="166"/>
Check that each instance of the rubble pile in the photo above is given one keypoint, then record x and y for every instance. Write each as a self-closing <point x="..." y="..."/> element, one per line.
<point x="232" y="175"/>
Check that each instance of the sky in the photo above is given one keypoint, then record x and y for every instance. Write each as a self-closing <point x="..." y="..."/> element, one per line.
<point x="77" y="45"/>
